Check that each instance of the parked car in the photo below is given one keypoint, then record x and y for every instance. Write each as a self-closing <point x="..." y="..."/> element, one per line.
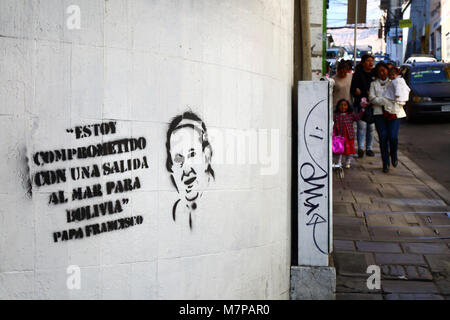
<point x="419" y="58"/>
<point x="430" y="89"/>
<point x="382" y="57"/>
<point x="362" y="51"/>
<point x="334" y="55"/>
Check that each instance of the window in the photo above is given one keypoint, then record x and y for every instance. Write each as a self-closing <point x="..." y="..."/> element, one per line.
<point x="431" y="75"/>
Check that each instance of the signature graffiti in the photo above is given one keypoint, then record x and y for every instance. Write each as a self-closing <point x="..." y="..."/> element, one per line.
<point x="316" y="182"/>
<point x="313" y="193"/>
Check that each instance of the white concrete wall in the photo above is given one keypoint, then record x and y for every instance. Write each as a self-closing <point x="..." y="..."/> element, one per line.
<point x="140" y="63"/>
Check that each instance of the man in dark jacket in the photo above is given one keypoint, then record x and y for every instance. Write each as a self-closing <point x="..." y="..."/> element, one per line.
<point x="359" y="89"/>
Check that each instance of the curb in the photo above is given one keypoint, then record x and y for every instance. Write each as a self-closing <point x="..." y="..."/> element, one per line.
<point x="436" y="187"/>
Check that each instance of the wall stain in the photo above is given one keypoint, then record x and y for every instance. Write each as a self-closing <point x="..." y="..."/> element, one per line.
<point x="23" y="172"/>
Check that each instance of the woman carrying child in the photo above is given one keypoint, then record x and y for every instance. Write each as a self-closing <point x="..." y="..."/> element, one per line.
<point x="343" y="119"/>
<point x="388" y="112"/>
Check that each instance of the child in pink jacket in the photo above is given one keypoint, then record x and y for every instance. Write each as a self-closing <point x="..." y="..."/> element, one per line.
<point x="343" y="126"/>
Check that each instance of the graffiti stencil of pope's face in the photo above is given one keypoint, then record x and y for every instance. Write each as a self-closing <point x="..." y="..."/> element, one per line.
<point x="189" y="163"/>
<point x="188" y="160"/>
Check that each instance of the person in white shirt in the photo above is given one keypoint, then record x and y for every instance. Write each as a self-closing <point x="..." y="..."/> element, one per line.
<point x="387" y="129"/>
<point x="397" y="93"/>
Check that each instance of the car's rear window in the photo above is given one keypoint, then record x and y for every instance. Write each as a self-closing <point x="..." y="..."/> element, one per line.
<point x="359" y="53"/>
<point x="431" y="74"/>
<point x="331" y="54"/>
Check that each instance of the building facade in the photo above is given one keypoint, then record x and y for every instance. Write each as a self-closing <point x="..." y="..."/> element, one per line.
<point x="435" y="28"/>
<point x="146" y="149"/>
<point x="429" y="32"/>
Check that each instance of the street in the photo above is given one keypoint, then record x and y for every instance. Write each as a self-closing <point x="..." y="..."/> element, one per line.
<point x="427" y="143"/>
<point x="394" y="221"/>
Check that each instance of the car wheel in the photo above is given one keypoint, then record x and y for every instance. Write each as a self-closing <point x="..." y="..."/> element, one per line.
<point x="410" y="117"/>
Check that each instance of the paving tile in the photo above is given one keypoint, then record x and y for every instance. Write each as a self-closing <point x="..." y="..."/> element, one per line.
<point x="402" y="286"/>
<point x="343" y="209"/>
<point x="367" y="187"/>
<point x="386" y="220"/>
<point x="358" y="296"/>
<point x="411" y="220"/>
<point x="356" y="183"/>
<point x="426" y="248"/>
<point x="424" y="273"/>
<point x="349" y="263"/>
<point x="354" y="221"/>
<point x="394" y="179"/>
<point x="362" y="197"/>
<point x="393" y="271"/>
<point x="433" y="208"/>
<point x="411" y="202"/>
<point x="400" y="208"/>
<point x="343" y="193"/>
<point x="411" y="272"/>
<point x="343" y="197"/>
<point x="402" y="234"/>
<point x="356" y="174"/>
<point x="401" y="172"/>
<point x="371" y="246"/>
<point x="397" y="271"/>
<point x="337" y="182"/>
<point x="418" y="273"/>
<point x="343" y="245"/>
<point x="444" y="286"/>
<point x="373" y="166"/>
<point x="374" y="207"/>
<point x="353" y="285"/>
<point x="418" y="208"/>
<point x="395" y="296"/>
<point x="388" y="191"/>
<point x="350" y="232"/>
<point x="385" y="270"/>
<point x="439" y="263"/>
<point x="396" y="258"/>
<point x="434" y="219"/>
<point x="415" y="191"/>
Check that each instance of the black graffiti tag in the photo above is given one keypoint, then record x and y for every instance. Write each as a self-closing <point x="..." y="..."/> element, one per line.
<point x="315" y="187"/>
<point x="314" y="193"/>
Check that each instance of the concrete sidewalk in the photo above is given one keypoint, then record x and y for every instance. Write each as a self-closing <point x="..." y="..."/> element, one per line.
<point x="397" y="221"/>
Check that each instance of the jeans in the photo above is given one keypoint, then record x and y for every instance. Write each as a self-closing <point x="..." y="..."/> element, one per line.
<point x="365" y="135"/>
<point x="388" y="135"/>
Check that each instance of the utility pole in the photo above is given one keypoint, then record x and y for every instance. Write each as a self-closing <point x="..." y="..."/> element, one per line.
<point x="306" y="41"/>
<point x="302" y="72"/>
<point x="324" y="39"/>
<point x="356" y="31"/>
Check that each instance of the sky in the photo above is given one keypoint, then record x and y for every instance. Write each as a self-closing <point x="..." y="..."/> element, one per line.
<point x="337" y="12"/>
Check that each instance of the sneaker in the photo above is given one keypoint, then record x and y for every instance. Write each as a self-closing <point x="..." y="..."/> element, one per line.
<point x="370" y="153"/>
<point x="360" y="153"/>
<point x="348" y="166"/>
<point x="385" y="168"/>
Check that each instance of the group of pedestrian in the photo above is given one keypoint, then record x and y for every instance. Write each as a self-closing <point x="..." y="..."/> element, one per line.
<point x="374" y="99"/>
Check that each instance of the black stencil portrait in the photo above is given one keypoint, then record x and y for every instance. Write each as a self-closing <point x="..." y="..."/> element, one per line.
<point x="189" y="156"/>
